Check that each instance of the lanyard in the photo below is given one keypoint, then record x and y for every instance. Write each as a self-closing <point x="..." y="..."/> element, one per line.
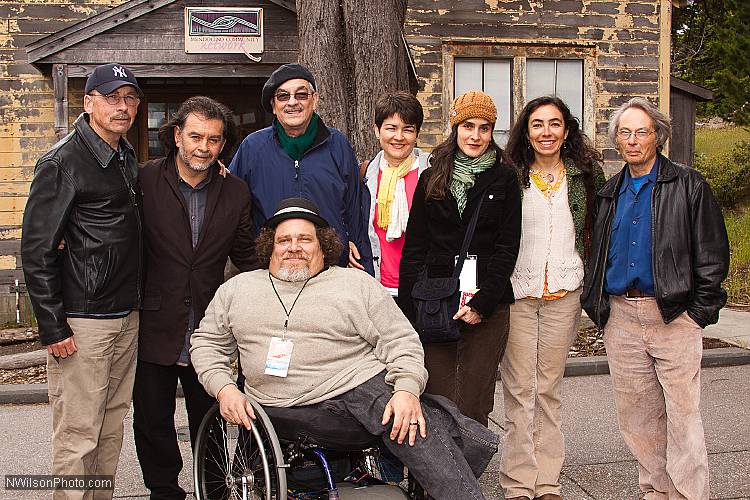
<point x="286" y="321"/>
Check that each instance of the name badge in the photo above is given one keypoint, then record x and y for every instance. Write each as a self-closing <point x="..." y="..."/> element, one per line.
<point x="468" y="278"/>
<point x="279" y="356"/>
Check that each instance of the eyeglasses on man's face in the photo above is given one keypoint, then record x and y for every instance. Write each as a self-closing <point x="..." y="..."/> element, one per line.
<point x="299" y="96"/>
<point x="640" y="134"/>
<point x="114" y="99"/>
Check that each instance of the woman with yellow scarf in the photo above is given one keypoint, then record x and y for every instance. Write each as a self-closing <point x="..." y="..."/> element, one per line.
<point x="391" y="179"/>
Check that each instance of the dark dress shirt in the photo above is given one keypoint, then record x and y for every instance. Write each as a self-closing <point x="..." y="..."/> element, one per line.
<point x="195" y="199"/>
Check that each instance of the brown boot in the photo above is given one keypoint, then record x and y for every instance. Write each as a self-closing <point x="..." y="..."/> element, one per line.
<point x="550" y="496"/>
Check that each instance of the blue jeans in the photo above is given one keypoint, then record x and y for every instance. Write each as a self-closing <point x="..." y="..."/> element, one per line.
<point x="448" y="462"/>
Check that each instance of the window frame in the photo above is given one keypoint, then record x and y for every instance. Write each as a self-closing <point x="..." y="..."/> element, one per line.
<point x="519" y="53"/>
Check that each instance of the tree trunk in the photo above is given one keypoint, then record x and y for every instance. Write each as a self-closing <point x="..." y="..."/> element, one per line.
<point x="356" y="51"/>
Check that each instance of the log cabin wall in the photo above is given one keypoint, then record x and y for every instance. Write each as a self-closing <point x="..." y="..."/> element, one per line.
<point x="617" y="42"/>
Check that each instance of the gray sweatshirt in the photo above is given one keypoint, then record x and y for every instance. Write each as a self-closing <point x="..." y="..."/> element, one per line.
<point x="345" y="327"/>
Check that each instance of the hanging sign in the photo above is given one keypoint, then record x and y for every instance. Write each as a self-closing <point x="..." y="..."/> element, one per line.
<point x="224" y="30"/>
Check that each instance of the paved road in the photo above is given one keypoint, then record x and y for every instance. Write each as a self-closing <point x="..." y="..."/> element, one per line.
<point x="598" y="464"/>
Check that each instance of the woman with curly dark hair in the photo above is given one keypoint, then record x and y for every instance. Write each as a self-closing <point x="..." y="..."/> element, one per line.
<point x="466" y="168"/>
<point x="560" y="171"/>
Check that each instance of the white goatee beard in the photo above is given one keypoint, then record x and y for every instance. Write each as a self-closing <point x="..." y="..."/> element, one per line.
<point x="294" y="274"/>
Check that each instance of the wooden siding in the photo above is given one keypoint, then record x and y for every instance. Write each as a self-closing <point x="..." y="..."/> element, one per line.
<point x="154" y="45"/>
<point x="617" y="39"/>
<point x="682" y="113"/>
<point x="26" y="110"/>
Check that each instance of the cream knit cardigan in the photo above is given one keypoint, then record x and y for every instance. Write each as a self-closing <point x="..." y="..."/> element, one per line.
<point x="345" y="327"/>
<point x="547" y="239"/>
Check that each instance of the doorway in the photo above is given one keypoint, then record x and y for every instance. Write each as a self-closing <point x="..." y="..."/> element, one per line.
<point x="163" y="97"/>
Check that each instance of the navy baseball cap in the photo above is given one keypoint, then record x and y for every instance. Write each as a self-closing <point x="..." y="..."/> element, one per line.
<point x="109" y="77"/>
<point x="296" y="208"/>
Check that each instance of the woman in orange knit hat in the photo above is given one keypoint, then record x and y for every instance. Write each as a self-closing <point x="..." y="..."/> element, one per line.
<point x="466" y="167"/>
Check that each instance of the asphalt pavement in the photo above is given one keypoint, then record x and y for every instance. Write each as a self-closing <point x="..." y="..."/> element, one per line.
<point x="598" y="466"/>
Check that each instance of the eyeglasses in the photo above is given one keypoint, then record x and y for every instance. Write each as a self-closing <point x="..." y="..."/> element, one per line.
<point x="114" y="99"/>
<point x="299" y="96"/>
<point x="640" y="134"/>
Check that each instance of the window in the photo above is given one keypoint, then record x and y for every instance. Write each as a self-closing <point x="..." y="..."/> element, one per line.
<point x="563" y="77"/>
<point x="158" y="114"/>
<point x="493" y="77"/>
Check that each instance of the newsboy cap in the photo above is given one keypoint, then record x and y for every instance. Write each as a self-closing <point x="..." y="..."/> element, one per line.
<point x="283" y="74"/>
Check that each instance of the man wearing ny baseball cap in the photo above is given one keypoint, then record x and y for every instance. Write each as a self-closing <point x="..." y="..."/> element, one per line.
<point x="86" y="296"/>
<point x="298" y="155"/>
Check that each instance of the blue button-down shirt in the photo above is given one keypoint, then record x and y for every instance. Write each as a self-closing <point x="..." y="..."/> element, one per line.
<point x="629" y="261"/>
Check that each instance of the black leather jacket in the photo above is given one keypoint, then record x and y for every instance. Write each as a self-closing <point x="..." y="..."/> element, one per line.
<point x="88" y="194"/>
<point x="690" y="247"/>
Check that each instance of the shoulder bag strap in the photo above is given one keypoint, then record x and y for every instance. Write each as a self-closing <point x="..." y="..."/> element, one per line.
<point x="467" y="238"/>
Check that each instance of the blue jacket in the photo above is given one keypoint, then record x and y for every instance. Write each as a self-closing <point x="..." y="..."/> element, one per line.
<point x="327" y="174"/>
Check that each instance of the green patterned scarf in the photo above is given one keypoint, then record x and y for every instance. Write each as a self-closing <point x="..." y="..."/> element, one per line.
<point x="465" y="169"/>
<point x="296" y="146"/>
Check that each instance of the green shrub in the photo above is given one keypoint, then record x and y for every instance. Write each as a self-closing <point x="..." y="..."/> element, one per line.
<point x="738" y="229"/>
<point x="728" y="174"/>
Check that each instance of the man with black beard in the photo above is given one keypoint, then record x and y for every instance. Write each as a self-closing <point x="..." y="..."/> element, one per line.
<point x="195" y="216"/>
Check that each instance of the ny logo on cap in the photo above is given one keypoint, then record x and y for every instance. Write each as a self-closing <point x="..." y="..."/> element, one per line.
<point x="119" y="72"/>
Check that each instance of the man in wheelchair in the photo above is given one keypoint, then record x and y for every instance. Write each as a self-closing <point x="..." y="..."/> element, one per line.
<point x="312" y="334"/>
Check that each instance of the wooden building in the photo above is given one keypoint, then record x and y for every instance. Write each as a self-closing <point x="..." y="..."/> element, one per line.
<point x="594" y="53"/>
<point x="683" y="98"/>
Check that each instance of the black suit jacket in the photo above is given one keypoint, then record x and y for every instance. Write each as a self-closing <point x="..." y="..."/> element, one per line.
<point x="177" y="276"/>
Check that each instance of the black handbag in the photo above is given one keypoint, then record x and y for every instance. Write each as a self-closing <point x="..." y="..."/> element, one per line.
<point x="436" y="299"/>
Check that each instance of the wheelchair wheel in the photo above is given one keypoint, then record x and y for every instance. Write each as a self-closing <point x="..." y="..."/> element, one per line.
<point x="231" y="462"/>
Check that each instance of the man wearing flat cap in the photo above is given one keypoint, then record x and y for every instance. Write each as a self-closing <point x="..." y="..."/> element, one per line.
<point x="298" y="155"/>
<point x="317" y="339"/>
<point x="86" y="296"/>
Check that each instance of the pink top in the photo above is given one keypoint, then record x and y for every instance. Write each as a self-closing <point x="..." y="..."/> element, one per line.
<point x="390" y="252"/>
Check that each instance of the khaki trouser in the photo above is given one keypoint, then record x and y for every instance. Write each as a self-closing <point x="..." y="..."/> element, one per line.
<point x="90" y="394"/>
<point x="541" y="333"/>
<point x="655" y="370"/>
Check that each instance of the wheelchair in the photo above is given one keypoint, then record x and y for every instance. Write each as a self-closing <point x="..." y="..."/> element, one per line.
<point x="315" y="455"/>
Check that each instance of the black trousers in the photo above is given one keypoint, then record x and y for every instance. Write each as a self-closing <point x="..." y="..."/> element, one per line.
<point x="153" y="423"/>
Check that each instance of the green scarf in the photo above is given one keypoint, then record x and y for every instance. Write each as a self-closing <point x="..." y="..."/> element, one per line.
<point x="465" y="169"/>
<point x="296" y="146"/>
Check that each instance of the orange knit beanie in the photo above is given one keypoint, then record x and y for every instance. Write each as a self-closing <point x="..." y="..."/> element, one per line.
<point x="472" y="104"/>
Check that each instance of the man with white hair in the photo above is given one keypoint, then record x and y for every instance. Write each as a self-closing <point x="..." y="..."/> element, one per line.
<point x="312" y="334"/>
<point x="659" y="253"/>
